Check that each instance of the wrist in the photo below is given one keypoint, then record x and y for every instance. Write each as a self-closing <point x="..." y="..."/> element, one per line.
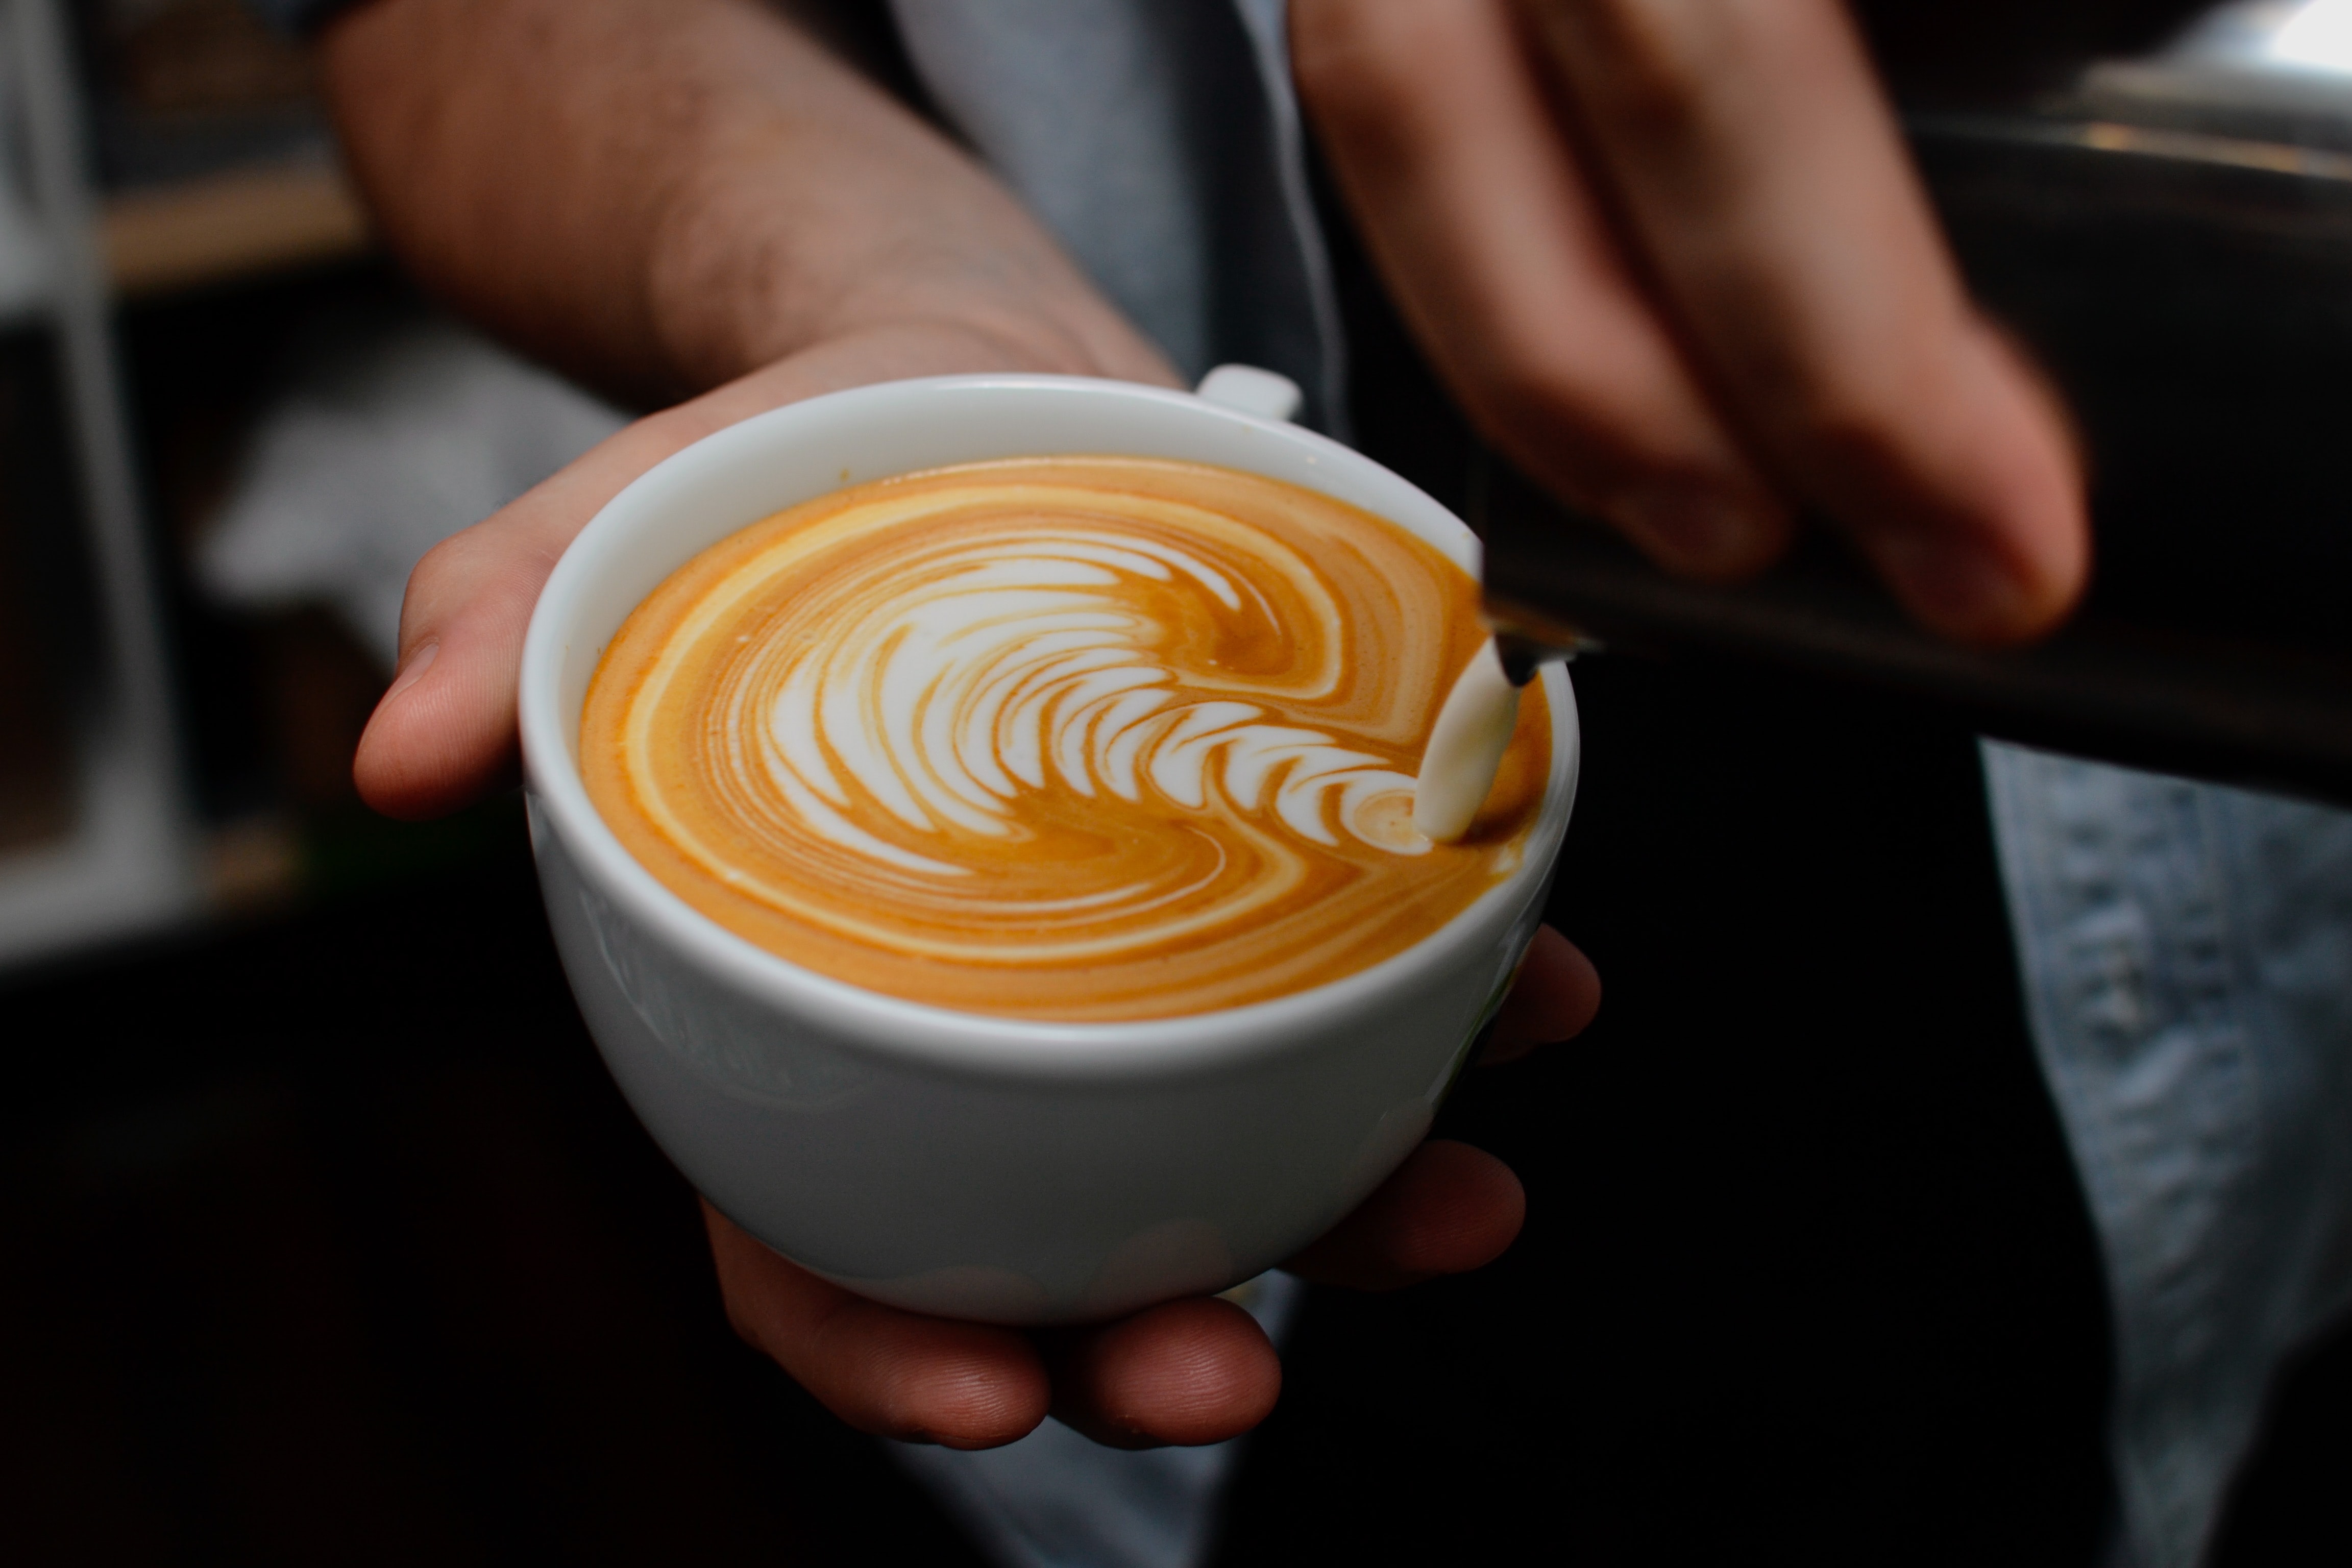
<point x="735" y="284"/>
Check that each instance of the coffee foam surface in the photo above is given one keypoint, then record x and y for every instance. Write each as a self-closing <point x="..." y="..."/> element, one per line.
<point x="1054" y="738"/>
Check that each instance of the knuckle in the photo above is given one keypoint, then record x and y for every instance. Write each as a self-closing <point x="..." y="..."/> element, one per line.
<point x="1648" y="63"/>
<point x="436" y="562"/>
<point x="439" y="575"/>
<point x="1847" y="424"/>
<point x="1595" y="439"/>
<point x="1359" y="62"/>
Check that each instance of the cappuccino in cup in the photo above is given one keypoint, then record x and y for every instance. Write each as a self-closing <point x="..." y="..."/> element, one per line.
<point x="976" y="867"/>
<point x="1067" y="739"/>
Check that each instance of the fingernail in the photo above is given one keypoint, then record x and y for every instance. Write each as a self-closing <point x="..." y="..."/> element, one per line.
<point x="1955" y="585"/>
<point x="411" y="672"/>
<point x="1695" y="529"/>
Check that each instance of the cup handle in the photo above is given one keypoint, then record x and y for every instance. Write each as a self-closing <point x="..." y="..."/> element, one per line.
<point x="1245" y="389"/>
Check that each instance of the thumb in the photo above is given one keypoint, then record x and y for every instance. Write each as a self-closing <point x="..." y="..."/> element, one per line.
<point x="444" y="733"/>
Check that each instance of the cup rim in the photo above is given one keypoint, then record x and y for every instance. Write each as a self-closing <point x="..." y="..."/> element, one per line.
<point x="978" y="1044"/>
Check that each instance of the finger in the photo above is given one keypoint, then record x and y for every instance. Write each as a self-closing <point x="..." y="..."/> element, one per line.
<point x="1554" y="997"/>
<point x="1501" y="258"/>
<point x="1449" y="1208"/>
<point x="897" y="1374"/>
<point x="1764" y="178"/>
<point x="443" y="734"/>
<point x="1184" y="1373"/>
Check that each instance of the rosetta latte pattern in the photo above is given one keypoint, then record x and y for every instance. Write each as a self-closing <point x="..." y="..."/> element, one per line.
<point x="957" y="679"/>
<point x="1046" y="717"/>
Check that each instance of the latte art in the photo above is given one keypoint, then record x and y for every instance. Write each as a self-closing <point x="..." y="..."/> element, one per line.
<point x="1054" y="738"/>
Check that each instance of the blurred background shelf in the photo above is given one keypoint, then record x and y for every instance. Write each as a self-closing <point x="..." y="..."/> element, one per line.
<point x="228" y="228"/>
<point x="208" y="142"/>
<point x="108" y="842"/>
<point x="173" y="222"/>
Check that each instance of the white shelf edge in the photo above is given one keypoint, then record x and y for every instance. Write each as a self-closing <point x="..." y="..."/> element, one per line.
<point x="123" y="871"/>
<point x="130" y="863"/>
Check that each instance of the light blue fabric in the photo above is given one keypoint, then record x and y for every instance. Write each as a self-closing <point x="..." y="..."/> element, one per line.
<point x="2186" y="955"/>
<point x="1160" y="142"/>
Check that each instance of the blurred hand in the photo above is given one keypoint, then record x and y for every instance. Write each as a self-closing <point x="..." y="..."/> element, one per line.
<point x="1195" y="1370"/>
<point x="1671" y="256"/>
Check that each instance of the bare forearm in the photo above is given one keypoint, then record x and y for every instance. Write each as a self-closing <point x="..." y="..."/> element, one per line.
<point x="662" y="194"/>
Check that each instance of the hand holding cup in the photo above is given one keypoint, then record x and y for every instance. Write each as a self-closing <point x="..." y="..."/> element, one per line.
<point x="1175" y="1373"/>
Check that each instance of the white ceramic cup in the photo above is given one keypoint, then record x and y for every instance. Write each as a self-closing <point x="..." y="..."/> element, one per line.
<point x="966" y="1165"/>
